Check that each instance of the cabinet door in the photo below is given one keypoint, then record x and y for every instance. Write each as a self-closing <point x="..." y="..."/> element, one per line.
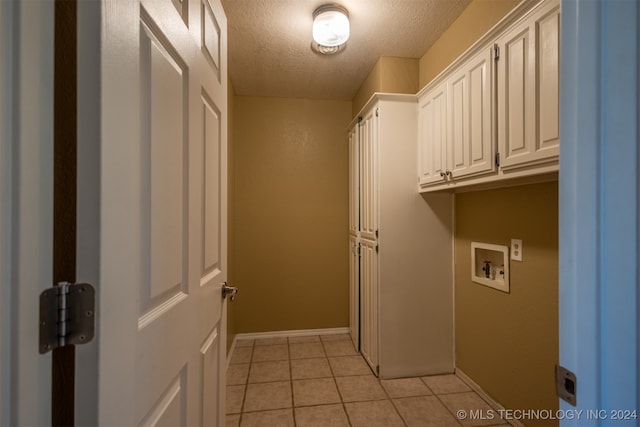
<point x="354" y="230"/>
<point x="369" y="303"/>
<point x="470" y="145"/>
<point x="354" y="289"/>
<point x="432" y="135"/>
<point x="368" y="175"/>
<point x="354" y="182"/>
<point x="547" y="28"/>
<point x="528" y="96"/>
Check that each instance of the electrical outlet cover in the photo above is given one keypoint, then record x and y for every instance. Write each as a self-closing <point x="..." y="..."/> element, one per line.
<point x="516" y="249"/>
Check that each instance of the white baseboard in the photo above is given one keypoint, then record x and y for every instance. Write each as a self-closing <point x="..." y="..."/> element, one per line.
<point x="295" y="333"/>
<point x="277" y="334"/>
<point x="230" y="353"/>
<point x="494" y="405"/>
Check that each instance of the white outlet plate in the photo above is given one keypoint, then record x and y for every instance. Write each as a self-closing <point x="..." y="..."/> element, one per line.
<point x="516" y="249"/>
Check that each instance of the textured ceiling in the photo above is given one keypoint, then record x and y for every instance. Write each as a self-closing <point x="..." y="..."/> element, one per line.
<point x="270" y="43"/>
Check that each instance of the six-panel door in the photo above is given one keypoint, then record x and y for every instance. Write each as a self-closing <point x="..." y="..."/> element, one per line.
<point x="153" y="210"/>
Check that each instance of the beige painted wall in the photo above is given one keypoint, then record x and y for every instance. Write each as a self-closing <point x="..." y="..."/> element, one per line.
<point x="289" y="222"/>
<point x="409" y="75"/>
<point x="474" y="22"/>
<point x="390" y="74"/>
<point x="290" y="214"/>
<point x="508" y="343"/>
<point x="369" y="86"/>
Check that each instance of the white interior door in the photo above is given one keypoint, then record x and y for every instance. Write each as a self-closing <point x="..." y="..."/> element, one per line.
<point x="152" y="210"/>
<point x="26" y="207"/>
<point x="599" y="210"/>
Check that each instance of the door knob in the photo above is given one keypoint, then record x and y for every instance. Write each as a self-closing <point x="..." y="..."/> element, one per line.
<point x="229" y="290"/>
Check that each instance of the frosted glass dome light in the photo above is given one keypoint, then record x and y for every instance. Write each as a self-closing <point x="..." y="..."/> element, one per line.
<point x="330" y="25"/>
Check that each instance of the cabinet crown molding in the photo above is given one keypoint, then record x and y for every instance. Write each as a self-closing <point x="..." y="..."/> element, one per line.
<point x="518" y="13"/>
<point x="382" y="96"/>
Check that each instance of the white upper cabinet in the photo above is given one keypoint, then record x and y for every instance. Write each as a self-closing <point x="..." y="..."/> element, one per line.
<point x="493" y="113"/>
<point x="455" y="124"/>
<point x="528" y="90"/>
<point x="432" y="131"/>
<point x="471" y="149"/>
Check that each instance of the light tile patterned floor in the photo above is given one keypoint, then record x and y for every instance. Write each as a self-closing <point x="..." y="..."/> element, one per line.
<point x="318" y="381"/>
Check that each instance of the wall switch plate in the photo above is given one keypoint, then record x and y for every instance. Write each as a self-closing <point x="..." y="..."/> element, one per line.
<point x="516" y="249"/>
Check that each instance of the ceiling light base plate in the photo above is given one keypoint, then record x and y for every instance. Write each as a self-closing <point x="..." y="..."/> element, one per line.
<point x="327" y="50"/>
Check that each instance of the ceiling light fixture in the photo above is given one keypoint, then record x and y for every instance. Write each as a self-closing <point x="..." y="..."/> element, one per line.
<point x="330" y="29"/>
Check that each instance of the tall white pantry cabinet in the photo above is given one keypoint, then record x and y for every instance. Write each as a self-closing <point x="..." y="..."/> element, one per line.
<point x="401" y="247"/>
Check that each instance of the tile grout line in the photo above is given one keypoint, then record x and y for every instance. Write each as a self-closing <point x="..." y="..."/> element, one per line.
<point x="455" y="417"/>
<point x="405" y="422"/>
<point x="437" y="395"/>
<point x="333" y="375"/>
<point x="293" y="403"/>
<point x="333" y="372"/>
<point x="246" y="384"/>
<point x="252" y="361"/>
